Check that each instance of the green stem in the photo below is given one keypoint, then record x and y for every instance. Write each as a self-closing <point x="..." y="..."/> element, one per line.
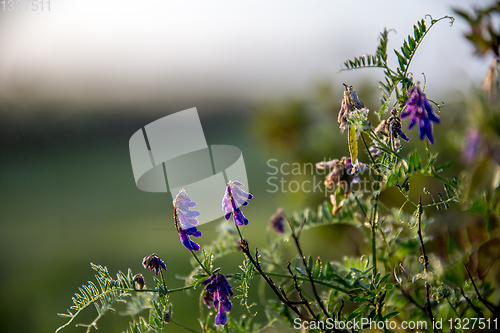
<point x="200" y="304"/>
<point x="163" y="280"/>
<point x="385" y="147"/>
<point x="307" y="279"/>
<point x="374" y="245"/>
<point x="368" y="150"/>
<point x="239" y="232"/>
<point x="201" y="265"/>
<point x="184" y="327"/>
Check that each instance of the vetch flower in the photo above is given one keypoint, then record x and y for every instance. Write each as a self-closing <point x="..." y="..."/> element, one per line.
<point x="153" y="263"/>
<point x="233" y="199"/>
<point x="384" y="130"/>
<point x="277" y="221"/>
<point x="421" y="112"/>
<point x="185" y="220"/>
<point x="395" y="126"/>
<point x="216" y="295"/>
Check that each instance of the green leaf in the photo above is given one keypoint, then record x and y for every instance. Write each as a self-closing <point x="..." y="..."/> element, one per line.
<point x="401" y="60"/>
<point x="317" y="268"/>
<point x="479" y="205"/>
<point x="390" y="315"/>
<point x="357" y="312"/>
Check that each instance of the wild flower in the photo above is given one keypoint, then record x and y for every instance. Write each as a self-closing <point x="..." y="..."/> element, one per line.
<point x="185" y="220"/>
<point x="139" y="281"/>
<point x="418" y="106"/>
<point x="233" y="199"/>
<point x="388" y="130"/>
<point x="277" y="221"/>
<point x="154" y="263"/>
<point x="471" y="145"/>
<point x="394" y="122"/>
<point x="216" y="295"/>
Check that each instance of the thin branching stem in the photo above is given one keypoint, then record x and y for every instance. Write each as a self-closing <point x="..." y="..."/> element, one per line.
<point x="324" y="283"/>
<point x="201" y="264"/>
<point x="485" y="302"/>
<point x="303" y="258"/>
<point x="475" y="308"/>
<point x="184" y="327"/>
<point x="426" y="263"/>
<point x="299" y="292"/>
<point x="282" y="297"/>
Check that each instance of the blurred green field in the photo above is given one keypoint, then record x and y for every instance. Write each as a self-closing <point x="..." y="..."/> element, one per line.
<point x="68" y="198"/>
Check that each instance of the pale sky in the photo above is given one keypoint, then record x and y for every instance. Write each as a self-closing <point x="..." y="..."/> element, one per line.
<point x="120" y="52"/>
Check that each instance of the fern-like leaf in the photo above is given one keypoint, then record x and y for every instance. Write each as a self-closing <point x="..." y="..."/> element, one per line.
<point x="377" y="60"/>
<point x="109" y="292"/>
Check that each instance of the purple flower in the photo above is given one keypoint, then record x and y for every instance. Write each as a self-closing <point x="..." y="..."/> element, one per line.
<point x="277" y="221"/>
<point x="471" y="145"/>
<point x="153" y="263"/>
<point x="395" y="126"/>
<point x="139" y="280"/>
<point x="185" y="220"/>
<point x="386" y="131"/>
<point x="233" y="199"/>
<point x="420" y="109"/>
<point x="217" y="292"/>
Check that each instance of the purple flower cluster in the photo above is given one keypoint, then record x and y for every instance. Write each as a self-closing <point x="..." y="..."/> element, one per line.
<point x="217" y="292"/>
<point x="185" y="220"/>
<point x="420" y="109"/>
<point x="233" y="199"/>
<point x="154" y="263"/>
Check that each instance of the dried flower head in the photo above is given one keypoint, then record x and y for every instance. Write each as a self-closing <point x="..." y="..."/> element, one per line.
<point x="139" y="281"/>
<point x="421" y="112"/>
<point x="277" y="221"/>
<point x="216" y="295"/>
<point x="154" y="263"/>
<point x="343" y="173"/>
<point x="349" y="103"/>
<point x="186" y="220"/>
<point x="233" y="199"/>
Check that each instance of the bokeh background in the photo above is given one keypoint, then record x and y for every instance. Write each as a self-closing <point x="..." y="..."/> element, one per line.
<point x="78" y="81"/>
